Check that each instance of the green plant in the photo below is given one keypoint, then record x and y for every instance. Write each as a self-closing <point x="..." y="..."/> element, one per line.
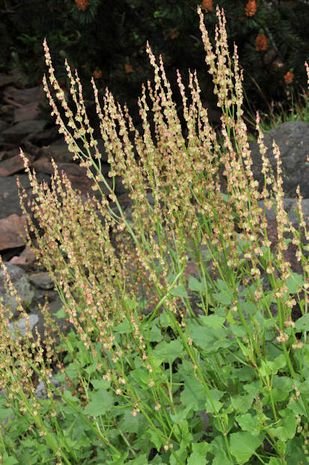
<point x="188" y="340"/>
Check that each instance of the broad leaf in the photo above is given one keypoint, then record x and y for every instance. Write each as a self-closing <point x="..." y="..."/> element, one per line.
<point x="199" y="451"/>
<point x="168" y="351"/>
<point x="195" y="285"/>
<point x="243" y="445"/>
<point x="302" y="324"/>
<point x="100" y="403"/>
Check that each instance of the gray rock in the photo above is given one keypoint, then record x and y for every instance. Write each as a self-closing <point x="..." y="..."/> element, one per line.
<point x="9" y="200"/>
<point x="19" y="327"/>
<point x="290" y="206"/>
<point x="58" y="150"/>
<point x="25" y="95"/>
<point x="293" y="141"/>
<point x="41" y="280"/>
<point x="3" y="125"/>
<point x="20" y="130"/>
<point x="41" y="391"/>
<point x="22" y="286"/>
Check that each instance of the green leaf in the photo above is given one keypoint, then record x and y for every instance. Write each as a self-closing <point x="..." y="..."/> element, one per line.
<point x="9" y="460"/>
<point x="287" y="427"/>
<point x="225" y="295"/>
<point x="302" y="324"/>
<point x="209" y="338"/>
<point x="194" y="394"/>
<point x="5" y="412"/>
<point x="220" y="456"/>
<point x="195" y="285"/>
<point x="243" y="445"/>
<point x="295" y="282"/>
<point x="274" y="461"/>
<point x="100" y="403"/>
<point x="213" y="321"/>
<point x="100" y="384"/>
<point x="124" y="327"/>
<point x="140" y="460"/>
<point x="199" y="451"/>
<point x="213" y="404"/>
<point x="168" y="351"/>
<point x="156" y="439"/>
<point x="268" y="367"/>
<point x="249" y="423"/>
<point x="242" y="403"/>
<point x="130" y="424"/>
<point x="180" y="415"/>
<point x="179" y="291"/>
<point x="155" y="334"/>
<point x="61" y="314"/>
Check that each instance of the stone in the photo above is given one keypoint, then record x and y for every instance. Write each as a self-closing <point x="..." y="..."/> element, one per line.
<point x="41" y="391"/>
<point x="27" y="112"/>
<point x="12" y="232"/>
<point x="25" y="259"/>
<point x="58" y="150"/>
<point x="19" y="327"/>
<point x="290" y="206"/>
<point x="43" y="137"/>
<point x="20" y="130"/>
<point x="3" y="125"/>
<point x="293" y="141"/>
<point x="12" y="165"/>
<point x="21" y="284"/>
<point x="9" y="200"/>
<point x="6" y="79"/>
<point x="23" y="96"/>
<point x="41" y="280"/>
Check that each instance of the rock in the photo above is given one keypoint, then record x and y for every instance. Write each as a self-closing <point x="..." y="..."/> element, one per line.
<point x="19" y="327"/>
<point x="43" y="137"/>
<point x="9" y="152"/>
<point x="290" y="206"/>
<point x="41" y="391"/>
<point x="9" y="200"/>
<point x="41" y="280"/>
<point x="20" y="130"/>
<point x="23" y="96"/>
<point x="25" y="259"/>
<point x="58" y="150"/>
<point x="3" y="125"/>
<point x="12" y="165"/>
<point x="12" y="232"/>
<point x="7" y="113"/>
<point x="293" y="141"/>
<point x="6" y="79"/>
<point x="20" y="283"/>
<point x="27" y="112"/>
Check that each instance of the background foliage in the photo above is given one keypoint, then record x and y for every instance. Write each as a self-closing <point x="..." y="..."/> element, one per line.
<point x="106" y="39"/>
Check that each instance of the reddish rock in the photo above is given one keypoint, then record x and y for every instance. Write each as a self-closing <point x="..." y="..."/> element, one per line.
<point x="12" y="166"/>
<point x="12" y="232"/>
<point x="26" y="258"/>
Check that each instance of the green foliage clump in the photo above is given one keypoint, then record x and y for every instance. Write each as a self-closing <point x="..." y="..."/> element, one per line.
<point x="187" y="340"/>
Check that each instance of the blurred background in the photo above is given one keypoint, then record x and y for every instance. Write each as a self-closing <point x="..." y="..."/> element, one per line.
<point x="106" y="39"/>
